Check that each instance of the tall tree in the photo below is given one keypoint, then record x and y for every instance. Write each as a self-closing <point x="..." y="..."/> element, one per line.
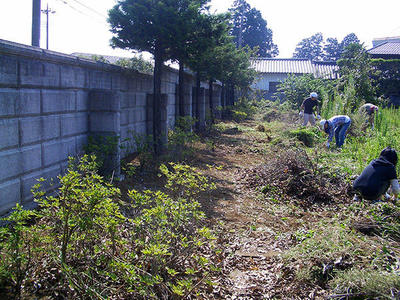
<point x="152" y="26"/>
<point x="333" y="49"/>
<point x="310" y="48"/>
<point x="249" y="28"/>
<point x="356" y="66"/>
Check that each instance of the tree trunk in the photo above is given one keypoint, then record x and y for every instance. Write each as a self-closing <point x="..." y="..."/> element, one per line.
<point x="197" y="99"/>
<point x="210" y="83"/>
<point x="181" y="83"/>
<point x="158" y="63"/>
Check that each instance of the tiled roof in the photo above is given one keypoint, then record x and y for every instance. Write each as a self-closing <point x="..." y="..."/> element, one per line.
<point x="388" y="48"/>
<point x="294" y="66"/>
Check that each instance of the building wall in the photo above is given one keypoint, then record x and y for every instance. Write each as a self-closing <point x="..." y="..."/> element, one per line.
<point x="50" y="103"/>
<point x="263" y="80"/>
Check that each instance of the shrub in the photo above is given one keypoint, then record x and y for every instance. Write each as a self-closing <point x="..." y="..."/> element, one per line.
<point x="307" y="136"/>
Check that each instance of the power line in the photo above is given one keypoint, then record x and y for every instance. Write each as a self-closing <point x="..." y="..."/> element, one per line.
<point x="81" y="12"/>
<point x="91" y="9"/>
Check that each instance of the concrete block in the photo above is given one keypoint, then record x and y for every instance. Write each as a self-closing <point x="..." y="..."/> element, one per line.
<point x="104" y="101"/>
<point x="81" y="142"/>
<point x="58" y="101"/>
<point x="119" y="82"/>
<point x="8" y="70"/>
<point x="52" y="153"/>
<point x="132" y="84"/>
<point x="141" y="99"/>
<point x="10" y="164"/>
<point x="9" y="195"/>
<point x="141" y="128"/>
<point x="124" y="117"/>
<point x="68" y="147"/>
<point x="99" y="80"/>
<point x="124" y="100"/>
<point x="18" y="161"/>
<point x="8" y="99"/>
<point x="38" y="73"/>
<point x="140" y="115"/>
<point x="131" y="99"/>
<point x="74" y="124"/>
<point x="73" y="77"/>
<point x="8" y="133"/>
<point x="132" y="115"/>
<point x="31" y="158"/>
<point x="82" y="101"/>
<point x="37" y="129"/>
<point x="104" y="122"/>
<point x="28" y="102"/>
<point x="28" y="181"/>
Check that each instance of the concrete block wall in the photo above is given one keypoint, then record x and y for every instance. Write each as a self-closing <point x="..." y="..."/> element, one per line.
<point x="50" y="103"/>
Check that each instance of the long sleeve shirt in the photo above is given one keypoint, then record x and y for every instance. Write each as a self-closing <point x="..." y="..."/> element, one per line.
<point x="335" y="122"/>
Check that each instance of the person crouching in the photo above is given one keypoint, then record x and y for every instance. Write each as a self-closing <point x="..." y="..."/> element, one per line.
<point x="378" y="176"/>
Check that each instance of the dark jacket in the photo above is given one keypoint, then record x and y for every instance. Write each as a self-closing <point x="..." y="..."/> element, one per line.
<point x="375" y="178"/>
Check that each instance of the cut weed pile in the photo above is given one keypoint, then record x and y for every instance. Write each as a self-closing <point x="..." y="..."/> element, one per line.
<point x="292" y="176"/>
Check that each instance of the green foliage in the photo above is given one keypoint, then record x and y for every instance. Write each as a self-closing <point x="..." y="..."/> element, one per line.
<point x="181" y="138"/>
<point x="185" y="181"/>
<point x="308" y="136"/>
<point x="15" y="249"/>
<point x="297" y="88"/>
<point x="365" y="147"/>
<point x="355" y="65"/>
<point x="313" y="48"/>
<point x="367" y="283"/>
<point x="388" y="75"/>
<point x="248" y="23"/>
<point x="310" y="48"/>
<point x="104" y="148"/>
<point x="83" y="214"/>
<point x="142" y="145"/>
<point x="136" y="63"/>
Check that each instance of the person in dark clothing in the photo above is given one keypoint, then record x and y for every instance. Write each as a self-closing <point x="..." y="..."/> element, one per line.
<point x="307" y="108"/>
<point x="378" y="176"/>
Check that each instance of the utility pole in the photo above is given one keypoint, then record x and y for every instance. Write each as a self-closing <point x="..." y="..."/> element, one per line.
<point x="47" y="11"/>
<point x="36" y="23"/>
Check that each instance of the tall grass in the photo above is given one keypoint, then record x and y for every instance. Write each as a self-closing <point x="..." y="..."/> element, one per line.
<point x="366" y="147"/>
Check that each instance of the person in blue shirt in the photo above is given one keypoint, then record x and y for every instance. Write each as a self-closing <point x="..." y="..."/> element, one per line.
<point x="337" y="125"/>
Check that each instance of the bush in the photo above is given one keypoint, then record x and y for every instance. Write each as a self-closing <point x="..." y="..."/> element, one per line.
<point x="307" y="136"/>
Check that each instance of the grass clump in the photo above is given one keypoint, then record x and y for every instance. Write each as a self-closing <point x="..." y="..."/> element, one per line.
<point x="308" y="136"/>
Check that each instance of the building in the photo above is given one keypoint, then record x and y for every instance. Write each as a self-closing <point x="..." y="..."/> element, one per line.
<point x="386" y="48"/>
<point x="273" y="71"/>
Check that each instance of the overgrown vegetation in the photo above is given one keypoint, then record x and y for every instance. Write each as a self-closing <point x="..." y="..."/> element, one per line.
<point x="86" y="243"/>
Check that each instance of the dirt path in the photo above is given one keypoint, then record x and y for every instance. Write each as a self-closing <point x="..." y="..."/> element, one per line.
<point x="251" y="237"/>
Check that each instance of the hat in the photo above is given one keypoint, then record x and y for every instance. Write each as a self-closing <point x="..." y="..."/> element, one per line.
<point x="322" y="123"/>
<point x="313" y="95"/>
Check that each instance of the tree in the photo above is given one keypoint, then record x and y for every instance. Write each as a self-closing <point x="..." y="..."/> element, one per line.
<point x="310" y="48"/>
<point x="355" y="66"/>
<point x="152" y="26"/>
<point x="333" y="49"/>
<point x="249" y="28"/>
<point x="136" y="63"/>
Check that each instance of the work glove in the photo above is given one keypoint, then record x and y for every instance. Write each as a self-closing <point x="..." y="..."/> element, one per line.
<point x="327" y="144"/>
<point x="301" y="114"/>
<point x="318" y="117"/>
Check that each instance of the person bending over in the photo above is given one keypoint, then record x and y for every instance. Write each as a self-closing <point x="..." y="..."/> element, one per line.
<point x="337" y="125"/>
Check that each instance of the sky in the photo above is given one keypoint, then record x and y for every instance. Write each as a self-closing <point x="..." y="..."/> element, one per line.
<point x="81" y="26"/>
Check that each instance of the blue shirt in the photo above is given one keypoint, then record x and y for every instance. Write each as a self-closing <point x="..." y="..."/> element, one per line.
<point x="335" y="122"/>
